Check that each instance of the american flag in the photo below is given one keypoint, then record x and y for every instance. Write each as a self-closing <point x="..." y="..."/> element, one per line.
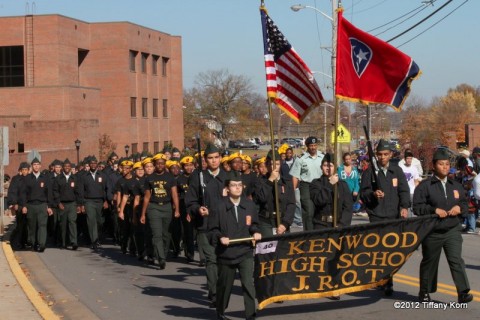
<point x="290" y="83"/>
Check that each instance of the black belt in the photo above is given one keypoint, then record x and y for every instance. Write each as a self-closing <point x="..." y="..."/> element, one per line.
<point x="160" y="203"/>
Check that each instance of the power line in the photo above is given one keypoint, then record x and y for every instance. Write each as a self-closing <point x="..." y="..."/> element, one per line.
<point x="434" y="24"/>
<point x="419" y="9"/>
<point x="421" y="21"/>
<point x="374" y="6"/>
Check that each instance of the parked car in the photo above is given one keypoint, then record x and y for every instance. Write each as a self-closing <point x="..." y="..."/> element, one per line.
<point x="235" y="144"/>
<point x="249" y="145"/>
<point x="293" y="143"/>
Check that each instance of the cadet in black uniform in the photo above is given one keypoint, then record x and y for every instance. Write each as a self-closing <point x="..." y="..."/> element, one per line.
<point x="36" y="201"/>
<point x="199" y="200"/>
<point x="321" y="193"/>
<point x="129" y="201"/>
<point x="160" y="198"/>
<point x="139" y="228"/>
<point x="19" y="234"/>
<point x="389" y="198"/>
<point x="264" y="197"/>
<point x="173" y="167"/>
<point x="92" y="193"/>
<point x="234" y="217"/>
<point x="249" y="177"/>
<point x="187" y="223"/>
<point x="446" y="198"/>
<point x="65" y="195"/>
<point x="53" y="227"/>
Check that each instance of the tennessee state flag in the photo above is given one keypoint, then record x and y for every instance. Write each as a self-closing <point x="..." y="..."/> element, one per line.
<point x="370" y="70"/>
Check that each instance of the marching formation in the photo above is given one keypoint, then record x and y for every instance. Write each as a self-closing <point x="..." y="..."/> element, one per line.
<point x="156" y="207"/>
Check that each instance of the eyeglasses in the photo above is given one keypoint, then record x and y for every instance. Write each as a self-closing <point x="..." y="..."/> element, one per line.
<point x="236" y="185"/>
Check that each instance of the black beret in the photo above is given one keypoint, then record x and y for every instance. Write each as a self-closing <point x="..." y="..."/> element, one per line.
<point x="24" y="165"/>
<point x="441" y="154"/>
<point x="233" y="176"/>
<point x="476" y="150"/>
<point x="57" y="162"/>
<point x="270" y="155"/>
<point x="328" y="158"/>
<point x="383" y="145"/>
<point x="211" y="148"/>
<point x="113" y="154"/>
<point x="67" y="161"/>
<point x="175" y="149"/>
<point x="92" y="159"/>
<point x="35" y="160"/>
<point x="310" y="140"/>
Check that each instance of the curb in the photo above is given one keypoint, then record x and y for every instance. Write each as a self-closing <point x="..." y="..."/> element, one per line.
<point x="31" y="293"/>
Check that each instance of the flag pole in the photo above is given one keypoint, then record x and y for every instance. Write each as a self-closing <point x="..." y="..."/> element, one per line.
<point x="337" y="109"/>
<point x="272" y="143"/>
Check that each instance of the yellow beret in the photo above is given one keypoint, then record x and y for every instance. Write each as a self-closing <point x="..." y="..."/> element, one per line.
<point x="187" y="159"/>
<point x="224" y="158"/>
<point x="246" y="158"/>
<point x="159" y="156"/>
<point x="137" y="165"/>
<point x="127" y="162"/>
<point x="146" y="160"/>
<point x="234" y="156"/>
<point x="261" y="160"/>
<point x="171" y="163"/>
<point x="283" y="148"/>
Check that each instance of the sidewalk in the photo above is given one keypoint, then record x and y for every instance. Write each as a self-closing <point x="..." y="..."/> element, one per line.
<point x="14" y="303"/>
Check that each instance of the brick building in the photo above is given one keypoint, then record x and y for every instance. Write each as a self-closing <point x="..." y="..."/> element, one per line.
<point x="62" y="79"/>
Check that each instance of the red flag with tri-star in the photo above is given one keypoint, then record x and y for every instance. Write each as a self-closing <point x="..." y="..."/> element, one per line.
<point x="370" y="70"/>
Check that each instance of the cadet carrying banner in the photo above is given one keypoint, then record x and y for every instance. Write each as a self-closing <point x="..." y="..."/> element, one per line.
<point x="335" y="261"/>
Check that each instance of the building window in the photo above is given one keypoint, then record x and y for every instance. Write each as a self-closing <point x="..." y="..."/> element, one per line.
<point x="134" y="148"/>
<point x="155" y="108"/>
<point x="133" y="107"/>
<point x="165" y="108"/>
<point x="154" y="64"/>
<point x="145" y="146"/>
<point x="164" y="66"/>
<point x="156" y="147"/>
<point x="133" y="56"/>
<point x="12" y="67"/>
<point x="144" y="107"/>
<point x="144" y="62"/>
<point x="166" y="143"/>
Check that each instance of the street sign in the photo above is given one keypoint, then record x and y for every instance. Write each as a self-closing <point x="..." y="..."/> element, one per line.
<point x="343" y="135"/>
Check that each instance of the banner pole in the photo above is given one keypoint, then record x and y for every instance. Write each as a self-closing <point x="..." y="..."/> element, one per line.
<point x="336" y="150"/>
<point x="240" y="240"/>
<point x="272" y="143"/>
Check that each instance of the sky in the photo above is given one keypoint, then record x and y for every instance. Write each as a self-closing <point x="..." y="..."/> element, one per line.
<point x="227" y="34"/>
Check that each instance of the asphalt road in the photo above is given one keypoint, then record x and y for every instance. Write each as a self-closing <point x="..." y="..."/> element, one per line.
<point x="109" y="285"/>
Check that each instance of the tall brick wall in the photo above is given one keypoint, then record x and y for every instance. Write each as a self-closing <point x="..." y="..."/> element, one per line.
<point x="70" y="101"/>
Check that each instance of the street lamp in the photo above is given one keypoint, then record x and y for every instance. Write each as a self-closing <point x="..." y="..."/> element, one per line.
<point x="127" y="148"/>
<point x="298" y="7"/>
<point x="77" y="146"/>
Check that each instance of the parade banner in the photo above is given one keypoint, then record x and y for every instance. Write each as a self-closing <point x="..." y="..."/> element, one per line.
<point x="335" y="261"/>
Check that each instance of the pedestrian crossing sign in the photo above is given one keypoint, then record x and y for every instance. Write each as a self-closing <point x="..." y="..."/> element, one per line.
<point x="343" y="135"/>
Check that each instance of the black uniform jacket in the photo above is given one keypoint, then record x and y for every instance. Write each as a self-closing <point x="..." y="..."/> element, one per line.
<point x="14" y="190"/>
<point x="430" y="195"/>
<point x="223" y="223"/>
<point x="321" y="193"/>
<point x="264" y="197"/>
<point x="88" y="188"/>
<point x="36" y="190"/>
<point x="213" y="193"/>
<point x="65" y="190"/>
<point x="395" y="187"/>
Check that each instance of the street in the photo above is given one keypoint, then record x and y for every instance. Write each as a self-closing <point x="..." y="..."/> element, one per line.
<point x="111" y="285"/>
